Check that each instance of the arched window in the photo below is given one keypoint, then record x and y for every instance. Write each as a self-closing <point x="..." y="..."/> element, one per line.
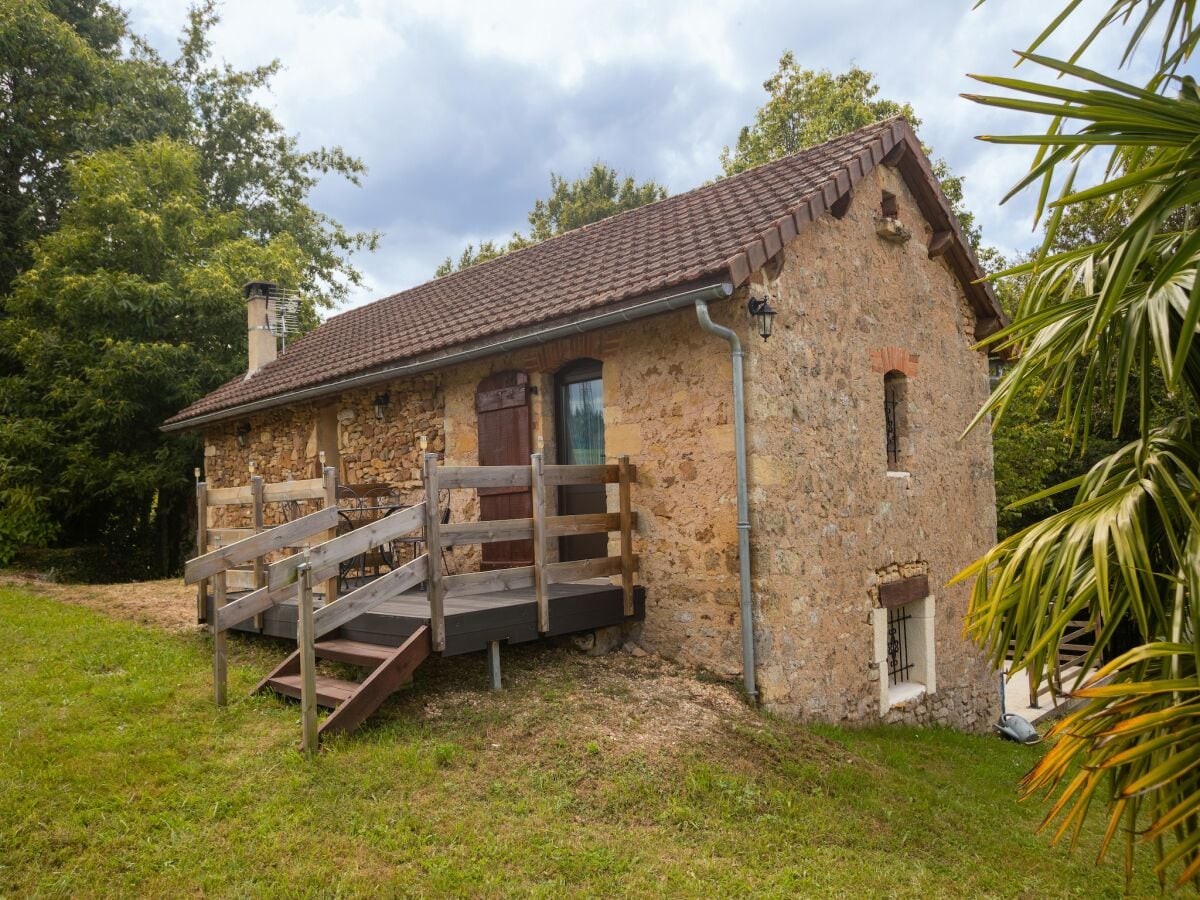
<point x="895" y="412"/>
<point x="579" y="414"/>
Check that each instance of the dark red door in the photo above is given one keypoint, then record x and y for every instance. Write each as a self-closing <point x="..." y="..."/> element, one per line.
<point x="502" y="409"/>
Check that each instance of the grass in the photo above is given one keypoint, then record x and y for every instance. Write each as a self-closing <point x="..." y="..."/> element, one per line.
<point x="611" y="777"/>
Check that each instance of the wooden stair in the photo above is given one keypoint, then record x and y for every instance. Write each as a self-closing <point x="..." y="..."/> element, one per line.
<point x="353" y="702"/>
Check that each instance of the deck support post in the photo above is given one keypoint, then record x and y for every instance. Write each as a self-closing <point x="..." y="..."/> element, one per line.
<point x="201" y="547"/>
<point x="260" y="570"/>
<point x="433" y="550"/>
<point x="494" y="664"/>
<point x="626" y="513"/>
<point x="330" y="491"/>
<point x="220" y="641"/>
<point x="538" y="492"/>
<point x="308" y="660"/>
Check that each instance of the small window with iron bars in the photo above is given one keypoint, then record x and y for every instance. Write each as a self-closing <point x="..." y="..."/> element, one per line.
<point x="899" y="658"/>
<point x="895" y="416"/>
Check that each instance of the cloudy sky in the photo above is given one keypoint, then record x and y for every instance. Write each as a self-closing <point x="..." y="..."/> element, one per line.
<point x="461" y="110"/>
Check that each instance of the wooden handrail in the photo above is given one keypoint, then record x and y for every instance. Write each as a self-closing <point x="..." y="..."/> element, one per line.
<point x="370" y="595"/>
<point x="277" y="538"/>
<point x="250" y="605"/>
<point x="521" y="476"/>
<point x="496" y="530"/>
<point x="559" y="475"/>
<point x="275" y="492"/>
<point x="482" y="476"/>
<point x="579" y="569"/>
<point x="486" y="582"/>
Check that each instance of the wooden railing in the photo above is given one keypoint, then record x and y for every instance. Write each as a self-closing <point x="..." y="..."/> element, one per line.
<point x="296" y="574"/>
<point x="539" y="528"/>
<point x="256" y="495"/>
<point x="303" y="570"/>
<point x="1065" y="671"/>
<point x="216" y="564"/>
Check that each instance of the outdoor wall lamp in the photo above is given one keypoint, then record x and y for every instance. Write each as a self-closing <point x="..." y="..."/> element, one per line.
<point x="381" y="404"/>
<point x="762" y="310"/>
<point x="242" y="435"/>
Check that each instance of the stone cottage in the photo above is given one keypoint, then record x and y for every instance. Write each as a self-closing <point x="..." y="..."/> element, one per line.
<point x="836" y="284"/>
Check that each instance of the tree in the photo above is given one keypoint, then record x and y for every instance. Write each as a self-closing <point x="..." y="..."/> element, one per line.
<point x="130" y="311"/>
<point x="113" y="324"/>
<point x="599" y="194"/>
<point x="806" y="107"/>
<point x="65" y="89"/>
<point x="249" y="162"/>
<point x="1108" y="327"/>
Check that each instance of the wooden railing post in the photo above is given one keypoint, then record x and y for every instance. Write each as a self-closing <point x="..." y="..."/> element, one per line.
<point x="201" y="547"/>
<point x="331" y="586"/>
<point x="433" y="549"/>
<point x="626" y="533"/>
<point x="538" y="491"/>
<point x="308" y="659"/>
<point x="260" y="571"/>
<point x="220" y="640"/>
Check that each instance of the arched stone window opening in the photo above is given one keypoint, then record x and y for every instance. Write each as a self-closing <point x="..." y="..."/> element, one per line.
<point x="889" y="206"/>
<point x="895" y="412"/>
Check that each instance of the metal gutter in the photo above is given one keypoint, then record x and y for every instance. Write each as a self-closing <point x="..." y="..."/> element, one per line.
<point x="743" y="501"/>
<point x="715" y="291"/>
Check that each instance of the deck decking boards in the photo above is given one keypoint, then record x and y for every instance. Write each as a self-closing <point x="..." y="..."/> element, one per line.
<point x="509" y="616"/>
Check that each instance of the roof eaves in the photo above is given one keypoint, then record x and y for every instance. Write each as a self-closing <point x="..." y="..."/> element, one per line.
<point x="915" y="168"/>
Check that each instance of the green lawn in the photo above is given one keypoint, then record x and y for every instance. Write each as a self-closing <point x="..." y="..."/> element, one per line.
<point x="613" y="776"/>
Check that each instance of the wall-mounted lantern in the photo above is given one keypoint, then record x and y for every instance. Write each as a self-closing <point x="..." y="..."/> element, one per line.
<point x="381" y="404"/>
<point x="242" y="434"/>
<point x="764" y="314"/>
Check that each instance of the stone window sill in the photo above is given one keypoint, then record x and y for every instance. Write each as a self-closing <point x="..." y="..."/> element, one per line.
<point x="892" y="474"/>
<point x="904" y="692"/>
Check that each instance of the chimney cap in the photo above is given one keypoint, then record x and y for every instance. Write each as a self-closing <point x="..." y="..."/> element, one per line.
<point x="258" y="289"/>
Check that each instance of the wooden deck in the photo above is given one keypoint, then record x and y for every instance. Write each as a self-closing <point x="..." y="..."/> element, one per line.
<point x="471" y="622"/>
<point x="415" y="607"/>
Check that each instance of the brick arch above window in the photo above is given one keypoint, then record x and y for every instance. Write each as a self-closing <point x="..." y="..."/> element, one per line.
<point x="553" y="356"/>
<point x="894" y="359"/>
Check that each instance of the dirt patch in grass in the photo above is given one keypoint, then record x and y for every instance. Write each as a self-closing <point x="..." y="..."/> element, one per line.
<point x="617" y="705"/>
<point x="167" y="604"/>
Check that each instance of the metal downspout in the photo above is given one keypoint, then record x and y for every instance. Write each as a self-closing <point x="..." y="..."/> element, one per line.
<point x="743" y="501"/>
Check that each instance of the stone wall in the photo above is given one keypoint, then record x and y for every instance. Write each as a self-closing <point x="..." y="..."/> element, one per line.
<point x="828" y="518"/>
<point x="667" y="406"/>
<point x="287" y="442"/>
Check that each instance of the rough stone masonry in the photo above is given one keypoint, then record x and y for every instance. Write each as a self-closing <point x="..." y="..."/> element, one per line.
<point x="857" y="299"/>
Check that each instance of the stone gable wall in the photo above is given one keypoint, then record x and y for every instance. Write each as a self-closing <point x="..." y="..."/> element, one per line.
<point x="828" y="519"/>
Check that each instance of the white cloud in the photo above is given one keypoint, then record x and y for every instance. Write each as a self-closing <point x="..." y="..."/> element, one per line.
<point x="461" y="109"/>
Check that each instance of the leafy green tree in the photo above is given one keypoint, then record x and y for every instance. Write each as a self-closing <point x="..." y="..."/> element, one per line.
<point x="1108" y="327"/>
<point x="470" y="256"/>
<point x="249" y="162"/>
<point x="599" y="194"/>
<point x="125" y="280"/>
<point x="66" y="88"/>
<point x="806" y="107"/>
<point x="129" y="311"/>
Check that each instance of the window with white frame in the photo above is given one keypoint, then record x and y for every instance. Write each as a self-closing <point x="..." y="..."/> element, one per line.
<point x="904" y="641"/>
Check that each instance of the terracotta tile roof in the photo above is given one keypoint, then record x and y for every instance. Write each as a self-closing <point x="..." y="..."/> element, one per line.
<point x="727" y="229"/>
